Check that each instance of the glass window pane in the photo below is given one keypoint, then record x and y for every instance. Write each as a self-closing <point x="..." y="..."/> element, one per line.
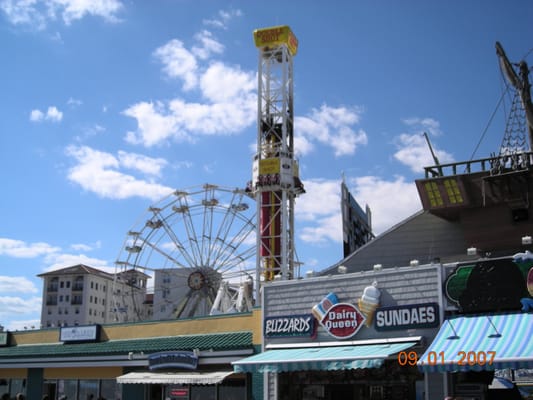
<point x="110" y="390"/>
<point x="17" y="386"/>
<point x="67" y="387"/>
<point x="231" y="392"/>
<point x="88" y="389"/>
<point x="203" y="392"/>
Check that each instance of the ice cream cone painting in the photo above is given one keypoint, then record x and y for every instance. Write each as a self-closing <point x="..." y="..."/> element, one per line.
<point x="369" y="301"/>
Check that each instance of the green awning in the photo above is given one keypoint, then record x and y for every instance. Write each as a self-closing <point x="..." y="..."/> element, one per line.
<point x="320" y="358"/>
<point x="215" y="342"/>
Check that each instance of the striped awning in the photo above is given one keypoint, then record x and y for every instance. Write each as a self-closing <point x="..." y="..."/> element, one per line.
<point x="483" y="342"/>
<point x="174" y="378"/>
<point x="320" y="358"/>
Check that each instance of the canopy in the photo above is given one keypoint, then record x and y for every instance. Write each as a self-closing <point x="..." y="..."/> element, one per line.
<point x="175" y="378"/>
<point x="320" y="358"/>
<point x="483" y="342"/>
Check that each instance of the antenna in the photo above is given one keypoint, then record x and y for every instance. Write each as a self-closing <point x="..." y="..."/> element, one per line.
<point x="435" y="159"/>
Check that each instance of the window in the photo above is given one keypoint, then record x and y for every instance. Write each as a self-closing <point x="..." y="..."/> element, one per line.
<point x="92" y="285"/>
<point x="433" y="193"/>
<point x="68" y="284"/>
<point x="96" y="286"/>
<point x="62" y="284"/>
<point x="453" y="191"/>
<point x="60" y="298"/>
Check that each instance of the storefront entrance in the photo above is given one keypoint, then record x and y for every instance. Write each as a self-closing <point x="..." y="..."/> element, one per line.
<point x="386" y="383"/>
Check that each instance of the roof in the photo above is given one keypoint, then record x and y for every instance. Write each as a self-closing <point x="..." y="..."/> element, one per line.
<point x="79" y="269"/>
<point x="422" y="236"/>
<point x="215" y="342"/>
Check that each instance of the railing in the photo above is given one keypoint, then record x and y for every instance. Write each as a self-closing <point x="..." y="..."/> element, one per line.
<point x="495" y="165"/>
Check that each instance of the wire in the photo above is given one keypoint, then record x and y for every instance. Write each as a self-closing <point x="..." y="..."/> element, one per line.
<point x="488" y="124"/>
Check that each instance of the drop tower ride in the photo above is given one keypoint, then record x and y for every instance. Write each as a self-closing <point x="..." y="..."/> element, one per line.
<point x="275" y="181"/>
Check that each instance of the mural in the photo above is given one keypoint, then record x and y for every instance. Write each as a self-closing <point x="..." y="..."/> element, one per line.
<point x="492" y="285"/>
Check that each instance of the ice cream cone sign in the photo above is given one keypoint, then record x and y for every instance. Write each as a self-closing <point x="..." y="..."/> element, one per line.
<point x="369" y="301"/>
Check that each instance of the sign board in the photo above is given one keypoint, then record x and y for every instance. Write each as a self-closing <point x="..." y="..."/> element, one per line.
<point x="276" y="36"/>
<point x="412" y="316"/>
<point x="293" y="325"/>
<point x="173" y="359"/>
<point x="88" y="333"/>
<point x="343" y="320"/>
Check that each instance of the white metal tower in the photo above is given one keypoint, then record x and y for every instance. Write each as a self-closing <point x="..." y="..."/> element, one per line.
<point x="275" y="180"/>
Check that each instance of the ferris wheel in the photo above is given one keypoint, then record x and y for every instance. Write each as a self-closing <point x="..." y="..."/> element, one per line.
<point x="191" y="254"/>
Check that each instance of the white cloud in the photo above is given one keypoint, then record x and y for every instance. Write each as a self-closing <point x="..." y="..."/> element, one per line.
<point x="144" y="164"/>
<point x="230" y="109"/>
<point x="72" y="10"/>
<point x="208" y="45"/>
<point x="390" y="201"/>
<point x="99" y="172"/>
<point x="38" y="13"/>
<point x="36" y="115"/>
<point x="413" y="149"/>
<point x="52" y="114"/>
<point x="223" y="18"/>
<point x="16" y="284"/>
<point x="74" y="102"/>
<point x="428" y="125"/>
<point x="178" y="62"/>
<point x="153" y="125"/>
<point x="333" y="127"/>
<point x="20" y="325"/>
<point x="221" y="83"/>
<point x="17" y="305"/>
<point x="21" y="249"/>
<point x="86" y="247"/>
<point x="64" y="260"/>
<point x="321" y="220"/>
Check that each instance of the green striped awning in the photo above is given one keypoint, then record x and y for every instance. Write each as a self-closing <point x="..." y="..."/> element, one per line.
<point x="476" y="343"/>
<point x="320" y="358"/>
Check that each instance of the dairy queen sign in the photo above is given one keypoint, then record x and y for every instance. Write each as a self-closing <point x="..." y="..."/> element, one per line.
<point x="340" y="320"/>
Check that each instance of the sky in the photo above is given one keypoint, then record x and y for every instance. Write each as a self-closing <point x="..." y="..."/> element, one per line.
<point x="108" y="106"/>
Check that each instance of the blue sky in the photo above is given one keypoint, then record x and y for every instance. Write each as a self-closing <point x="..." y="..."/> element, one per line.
<point x="108" y="106"/>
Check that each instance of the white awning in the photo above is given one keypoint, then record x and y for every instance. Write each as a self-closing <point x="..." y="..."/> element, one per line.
<point x="175" y="378"/>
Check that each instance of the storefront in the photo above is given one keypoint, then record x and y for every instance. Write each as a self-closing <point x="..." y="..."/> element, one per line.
<point x="143" y="361"/>
<point x="489" y="328"/>
<point x="355" y="336"/>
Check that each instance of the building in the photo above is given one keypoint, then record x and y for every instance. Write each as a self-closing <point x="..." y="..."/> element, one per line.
<point x="350" y="336"/>
<point x="356" y="223"/>
<point x="178" y="360"/>
<point x="82" y="295"/>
